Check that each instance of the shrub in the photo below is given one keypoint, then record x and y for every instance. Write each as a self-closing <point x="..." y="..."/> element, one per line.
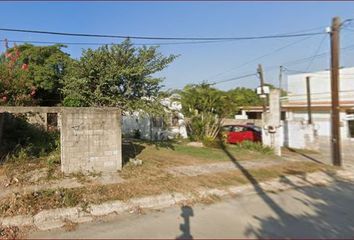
<point x="212" y="143"/>
<point x="22" y="140"/>
<point x="254" y="146"/>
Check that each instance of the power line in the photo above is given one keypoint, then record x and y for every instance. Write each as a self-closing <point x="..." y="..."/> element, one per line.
<point x="260" y="57"/>
<point x="275" y="67"/>
<point x="301" y="60"/>
<point x="161" y="38"/>
<point x="234" y="78"/>
<point x="100" y="44"/>
<point x="316" y="52"/>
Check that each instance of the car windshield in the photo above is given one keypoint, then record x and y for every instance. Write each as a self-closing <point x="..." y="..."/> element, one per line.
<point x="258" y="129"/>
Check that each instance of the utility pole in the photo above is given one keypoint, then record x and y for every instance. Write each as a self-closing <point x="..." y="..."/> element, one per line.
<point x="335" y="122"/>
<point x="280" y="77"/>
<point x="261" y="79"/>
<point x="308" y="91"/>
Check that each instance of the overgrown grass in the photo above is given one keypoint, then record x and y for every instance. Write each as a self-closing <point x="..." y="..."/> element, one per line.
<point x="244" y="151"/>
<point x="254" y="146"/>
<point x="22" y="141"/>
<point x="151" y="178"/>
<point x="145" y="180"/>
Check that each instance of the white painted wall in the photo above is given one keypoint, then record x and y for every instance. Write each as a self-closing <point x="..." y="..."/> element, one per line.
<point x="143" y="123"/>
<point x="320" y="85"/>
<point x="320" y="95"/>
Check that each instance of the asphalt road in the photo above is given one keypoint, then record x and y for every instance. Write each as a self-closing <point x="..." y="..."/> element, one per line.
<point x="312" y="212"/>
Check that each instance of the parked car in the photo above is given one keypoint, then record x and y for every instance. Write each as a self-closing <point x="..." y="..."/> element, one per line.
<point x="239" y="133"/>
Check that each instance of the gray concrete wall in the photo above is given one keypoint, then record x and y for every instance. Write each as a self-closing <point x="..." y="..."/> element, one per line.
<point x="91" y="139"/>
<point x="272" y="130"/>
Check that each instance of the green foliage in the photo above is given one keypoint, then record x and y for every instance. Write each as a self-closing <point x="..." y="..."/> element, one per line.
<point x="202" y="99"/>
<point x="254" y="146"/>
<point x="23" y="141"/>
<point x="206" y="107"/>
<point x="283" y="93"/>
<point x="116" y="76"/>
<point x="15" y="84"/>
<point x="32" y="75"/>
<point x="212" y="142"/>
<point x="242" y="97"/>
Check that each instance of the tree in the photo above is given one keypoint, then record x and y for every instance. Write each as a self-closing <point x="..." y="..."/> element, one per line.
<point x="205" y="107"/>
<point x="15" y="85"/>
<point x="283" y="92"/>
<point x="32" y="75"/>
<point x="117" y="76"/>
<point x="243" y="97"/>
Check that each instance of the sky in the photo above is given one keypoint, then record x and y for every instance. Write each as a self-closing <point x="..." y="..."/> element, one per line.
<point x="196" y="62"/>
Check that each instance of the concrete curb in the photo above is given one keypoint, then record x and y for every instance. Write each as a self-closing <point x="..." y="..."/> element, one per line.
<point x="56" y="218"/>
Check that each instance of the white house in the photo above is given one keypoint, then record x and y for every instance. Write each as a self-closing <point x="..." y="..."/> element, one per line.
<point x="154" y="128"/>
<point x="295" y="104"/>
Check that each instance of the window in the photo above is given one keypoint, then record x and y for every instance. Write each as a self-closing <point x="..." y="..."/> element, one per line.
<point x="239" y="129"/>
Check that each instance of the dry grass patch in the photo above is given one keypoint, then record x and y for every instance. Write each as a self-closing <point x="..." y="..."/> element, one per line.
<point x="146" y="180"/>
<point x="151" y="178"/>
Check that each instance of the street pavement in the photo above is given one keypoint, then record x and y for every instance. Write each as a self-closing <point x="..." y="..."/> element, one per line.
<point x="311" y="212"/>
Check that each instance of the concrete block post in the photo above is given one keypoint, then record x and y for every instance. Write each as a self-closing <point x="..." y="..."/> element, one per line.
<point x="91" y="140"/>
<point x="272" y="130"/>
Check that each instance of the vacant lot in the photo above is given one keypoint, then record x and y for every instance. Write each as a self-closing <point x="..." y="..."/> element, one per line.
<point x="152" y="176"/>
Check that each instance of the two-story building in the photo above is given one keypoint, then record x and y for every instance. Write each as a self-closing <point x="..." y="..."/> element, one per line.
<point x="295" y="104"/>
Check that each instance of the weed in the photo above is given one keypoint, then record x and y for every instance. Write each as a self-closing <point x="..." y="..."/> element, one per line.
<point x="81" y="178"/>
<point x="94" y="174"/>
<point x="254" y="146"/>
<point x="70" y="226"/>
<point x="85" y="206"/>
<point x="23" y="141"/>
<point x="12" y="232"/>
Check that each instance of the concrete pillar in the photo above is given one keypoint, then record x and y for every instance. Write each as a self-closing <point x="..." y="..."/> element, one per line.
<point x="272" y="130"/>
<point x="91" y="140"/>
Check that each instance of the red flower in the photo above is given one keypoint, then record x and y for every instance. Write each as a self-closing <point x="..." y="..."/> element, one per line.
<point x="24" y="66"/>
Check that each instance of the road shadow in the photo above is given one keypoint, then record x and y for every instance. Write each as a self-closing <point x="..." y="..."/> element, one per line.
<point x="304" y="155"/>
<point x="330" y="213"/>
<point x="323" y="212"/>
<point x="185" y="227"/>
<point x="282" y="215"/>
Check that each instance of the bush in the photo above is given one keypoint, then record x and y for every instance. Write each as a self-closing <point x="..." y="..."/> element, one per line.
<point x="22" y="140"/>
<point x="254" y="146"/>
<point x="212" y="143"/>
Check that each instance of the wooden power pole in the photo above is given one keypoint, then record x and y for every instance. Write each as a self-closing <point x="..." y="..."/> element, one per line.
<point x="261" y="79"/>
<point x="280" y="78"/>
<point x="308" y="91"/>
<point x="335" y="121"/>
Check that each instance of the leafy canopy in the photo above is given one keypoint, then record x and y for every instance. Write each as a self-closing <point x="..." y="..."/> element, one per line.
<point x="117" y="76"/>
<point x="206" y="107"/>
<point x="32" y="75"/>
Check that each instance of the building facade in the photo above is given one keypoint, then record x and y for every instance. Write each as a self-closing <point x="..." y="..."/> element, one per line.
<point x="295" y="104"/>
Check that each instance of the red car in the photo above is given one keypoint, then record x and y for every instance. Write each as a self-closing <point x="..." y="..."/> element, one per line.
<point x="239" y="133"/>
